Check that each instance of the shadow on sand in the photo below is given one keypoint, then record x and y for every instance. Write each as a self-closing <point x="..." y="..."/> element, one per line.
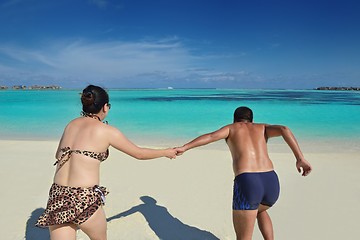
<point x="165" y="226"/>
<point x="35" y="233"/>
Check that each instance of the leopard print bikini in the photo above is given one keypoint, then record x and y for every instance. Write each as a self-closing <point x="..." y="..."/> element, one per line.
<point x="66" y="154"/>
<point x="72" y="204"/>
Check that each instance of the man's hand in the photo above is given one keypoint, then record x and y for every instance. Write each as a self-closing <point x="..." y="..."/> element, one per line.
<point x="303" y="165"/>
<point x="180" y="150"/>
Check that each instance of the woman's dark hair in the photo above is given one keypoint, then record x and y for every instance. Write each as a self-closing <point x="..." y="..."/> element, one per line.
<point x="243" y="113"/>
<point x="93" y="98"/>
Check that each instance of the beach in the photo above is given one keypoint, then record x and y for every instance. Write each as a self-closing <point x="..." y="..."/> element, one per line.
<point x="189" y="197"/>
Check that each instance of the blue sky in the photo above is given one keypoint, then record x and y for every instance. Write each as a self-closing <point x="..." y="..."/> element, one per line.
<point x="180" y="43"/>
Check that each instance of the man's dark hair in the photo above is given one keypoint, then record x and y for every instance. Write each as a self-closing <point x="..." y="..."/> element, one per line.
<point x="243" y="114"/>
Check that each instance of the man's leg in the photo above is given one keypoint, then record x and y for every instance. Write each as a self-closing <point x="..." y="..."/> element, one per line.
<point x="265" y="224"/>
<point x="244" y="221"/>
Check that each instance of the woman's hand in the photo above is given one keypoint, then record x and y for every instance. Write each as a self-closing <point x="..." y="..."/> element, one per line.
<point x="170" y="153"/>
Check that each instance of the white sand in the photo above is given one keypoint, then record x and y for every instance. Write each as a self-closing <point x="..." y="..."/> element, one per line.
<point x="193" y="194"/>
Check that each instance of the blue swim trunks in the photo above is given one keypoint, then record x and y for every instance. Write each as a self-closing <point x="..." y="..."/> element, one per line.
<point x="254" y="188"/>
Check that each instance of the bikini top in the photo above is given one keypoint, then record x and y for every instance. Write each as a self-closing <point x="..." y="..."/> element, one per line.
<point x="67" y="152"/>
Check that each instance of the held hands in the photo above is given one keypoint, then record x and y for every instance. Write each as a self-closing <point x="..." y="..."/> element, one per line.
<point x="180" y="150"/>
<point x="304" y="165"/>
<point x="172" y="153"/>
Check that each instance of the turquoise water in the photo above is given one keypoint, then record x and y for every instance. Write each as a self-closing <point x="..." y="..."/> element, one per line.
<point x="183" y="114"/>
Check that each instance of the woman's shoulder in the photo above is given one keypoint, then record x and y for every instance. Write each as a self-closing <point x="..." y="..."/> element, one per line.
<point x="73" y="122"/>
<point x="110" y="130"/>
<point x="87" y="124"/>
<point x="78" y="119"/>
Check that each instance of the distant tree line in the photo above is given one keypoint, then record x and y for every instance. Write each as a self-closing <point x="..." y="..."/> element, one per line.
<point x="339" y="88"/>
<point x="33" y="87"/>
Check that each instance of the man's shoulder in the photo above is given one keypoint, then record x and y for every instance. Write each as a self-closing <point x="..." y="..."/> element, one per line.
<point x="238" y="124"/>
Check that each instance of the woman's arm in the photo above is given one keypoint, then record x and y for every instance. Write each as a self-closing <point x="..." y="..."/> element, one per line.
<point x="120" y="142"/>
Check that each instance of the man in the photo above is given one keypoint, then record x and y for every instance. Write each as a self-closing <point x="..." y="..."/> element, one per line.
<point x="256" y="185"/>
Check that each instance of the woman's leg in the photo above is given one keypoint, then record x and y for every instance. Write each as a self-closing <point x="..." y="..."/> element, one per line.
<point x="95" y="226"/>
<point x="244" y="221"/>
<point x="63" y="231"/>
<point x="265" y="224"/>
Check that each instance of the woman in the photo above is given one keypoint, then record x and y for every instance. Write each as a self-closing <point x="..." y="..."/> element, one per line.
<point x="75" y="197"/>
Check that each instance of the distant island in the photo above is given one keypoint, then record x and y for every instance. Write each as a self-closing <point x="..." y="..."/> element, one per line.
<point x="34" y="87"/>
<point x="55" y="87"/>
<point x="339" y="88"/>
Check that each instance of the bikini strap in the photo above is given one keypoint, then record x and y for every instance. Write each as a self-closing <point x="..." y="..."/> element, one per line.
<point x="91" y="115"/>
<point x="65" y="156"/>
<point x="67" y="152"/>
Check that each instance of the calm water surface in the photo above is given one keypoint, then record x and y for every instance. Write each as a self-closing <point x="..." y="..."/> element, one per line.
<point x="184" y="114"/>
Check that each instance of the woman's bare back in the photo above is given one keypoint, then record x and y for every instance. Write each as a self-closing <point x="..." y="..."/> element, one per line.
<point x="82" y="135"/>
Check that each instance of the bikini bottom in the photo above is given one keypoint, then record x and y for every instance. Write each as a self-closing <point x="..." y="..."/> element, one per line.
<point x="72" y="205"/>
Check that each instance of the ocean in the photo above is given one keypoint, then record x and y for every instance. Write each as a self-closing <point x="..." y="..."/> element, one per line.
<point x="182" y="114"/>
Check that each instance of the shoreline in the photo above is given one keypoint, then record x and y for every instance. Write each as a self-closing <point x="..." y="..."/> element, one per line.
<point x="316" y="145"/>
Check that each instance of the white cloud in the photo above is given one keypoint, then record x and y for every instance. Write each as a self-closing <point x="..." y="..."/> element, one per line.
<point x="120" y="59"/>
<point x="106" y="60"/>
<point x="165" y="61"/>
<point x="25" y="56"/>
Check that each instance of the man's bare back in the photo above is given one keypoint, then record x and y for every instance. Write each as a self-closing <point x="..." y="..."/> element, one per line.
<point x="247" y="144"/>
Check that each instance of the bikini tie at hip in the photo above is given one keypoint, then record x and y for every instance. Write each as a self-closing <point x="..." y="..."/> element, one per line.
<point x="102" y="191"/>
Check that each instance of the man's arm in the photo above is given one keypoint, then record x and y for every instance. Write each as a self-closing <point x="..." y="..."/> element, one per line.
<point x="288" y="136"/>
<point x="222" y="133"/>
